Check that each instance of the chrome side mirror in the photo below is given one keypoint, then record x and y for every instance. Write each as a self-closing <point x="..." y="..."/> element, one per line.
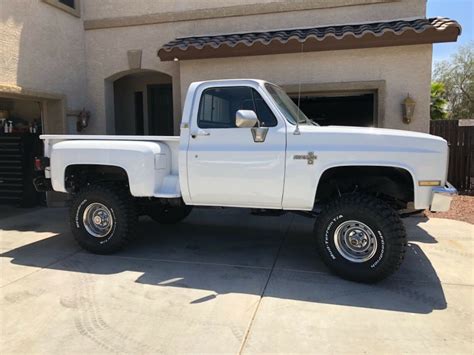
<point x="245" y="119"/>
<point x="248" y="119"/>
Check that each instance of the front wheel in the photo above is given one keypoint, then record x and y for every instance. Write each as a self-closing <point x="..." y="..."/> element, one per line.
<point x="103" y="218"/>
<point x="360" y="238"/>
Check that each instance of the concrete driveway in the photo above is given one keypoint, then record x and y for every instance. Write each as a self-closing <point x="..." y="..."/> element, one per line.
<point x="226" y="281"/>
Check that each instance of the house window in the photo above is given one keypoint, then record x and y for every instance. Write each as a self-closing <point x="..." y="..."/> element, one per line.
<point x="70" y="6"/>
<point x="70" y="3"/>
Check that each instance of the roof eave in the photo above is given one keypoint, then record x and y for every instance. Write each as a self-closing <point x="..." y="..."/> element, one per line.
<point x="312" y="44"/>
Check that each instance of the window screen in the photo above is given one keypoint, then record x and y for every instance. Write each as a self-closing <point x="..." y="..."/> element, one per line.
<point x="218" y="107"/>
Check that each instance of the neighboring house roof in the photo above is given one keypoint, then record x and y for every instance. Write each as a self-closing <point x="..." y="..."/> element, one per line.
<point x="366" y="35"/>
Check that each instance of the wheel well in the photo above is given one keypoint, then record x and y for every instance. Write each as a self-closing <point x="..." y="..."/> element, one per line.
<point x="392" y="184"/>
<point x="78" y="176"/>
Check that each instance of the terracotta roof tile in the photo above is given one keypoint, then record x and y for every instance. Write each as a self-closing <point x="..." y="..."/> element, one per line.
<point x="379" y="34"/>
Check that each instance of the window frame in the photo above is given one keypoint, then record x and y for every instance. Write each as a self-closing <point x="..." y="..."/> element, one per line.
<point x="76" y="11"/>
<point x="253" y="92"/>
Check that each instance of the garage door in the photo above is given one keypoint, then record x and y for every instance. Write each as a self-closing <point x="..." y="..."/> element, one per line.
<point x="339" y="109"/>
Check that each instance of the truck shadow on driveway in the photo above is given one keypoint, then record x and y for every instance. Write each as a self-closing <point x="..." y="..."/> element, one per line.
<point x="230" y="252"/>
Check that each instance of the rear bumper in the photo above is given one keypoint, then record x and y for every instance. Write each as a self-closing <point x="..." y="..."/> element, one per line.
<point x="42" y="184"/>
<point x="442" y="196"/>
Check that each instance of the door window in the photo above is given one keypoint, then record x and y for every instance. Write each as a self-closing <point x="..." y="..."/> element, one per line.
<point x="218" y="107"/>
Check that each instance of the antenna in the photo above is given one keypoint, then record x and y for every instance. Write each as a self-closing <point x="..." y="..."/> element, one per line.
<point x="297" y="129"/>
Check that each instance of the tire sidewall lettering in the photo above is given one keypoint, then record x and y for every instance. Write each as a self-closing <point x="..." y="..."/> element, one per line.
<point x="381" y="240"/>
<point x="112" y="232"/>
<point x="327" y="235"/>
<point x="78" y="210"/>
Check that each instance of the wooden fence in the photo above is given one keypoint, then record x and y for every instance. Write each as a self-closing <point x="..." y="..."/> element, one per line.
<point x="461" y="152"/>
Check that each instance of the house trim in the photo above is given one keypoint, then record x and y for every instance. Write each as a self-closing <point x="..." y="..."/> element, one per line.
<point x="222" y="12"/>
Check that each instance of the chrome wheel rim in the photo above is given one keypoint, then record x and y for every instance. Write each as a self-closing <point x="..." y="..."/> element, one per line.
<point x="355" y="241"/>
<point x="98" y="220"/>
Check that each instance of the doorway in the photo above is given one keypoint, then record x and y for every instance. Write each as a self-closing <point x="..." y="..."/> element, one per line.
<point x="160" y="109"/>
<point x="143" y="104"/>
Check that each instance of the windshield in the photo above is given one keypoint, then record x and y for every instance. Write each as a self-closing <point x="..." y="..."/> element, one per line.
<point x="289" y="109"/>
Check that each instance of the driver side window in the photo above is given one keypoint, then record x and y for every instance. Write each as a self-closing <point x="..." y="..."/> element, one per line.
<point x="218" y="107"/>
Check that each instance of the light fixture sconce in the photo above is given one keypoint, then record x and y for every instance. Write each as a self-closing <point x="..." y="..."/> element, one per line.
<point x="408" y="109"/>
<point x="82" y="120"/>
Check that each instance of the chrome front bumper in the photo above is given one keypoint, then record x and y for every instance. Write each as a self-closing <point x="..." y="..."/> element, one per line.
<point x="442" y="196"/>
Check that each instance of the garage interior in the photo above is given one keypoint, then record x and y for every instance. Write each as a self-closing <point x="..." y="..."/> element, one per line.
<point x="20" y="127"/>
<point x="340" y="109"/>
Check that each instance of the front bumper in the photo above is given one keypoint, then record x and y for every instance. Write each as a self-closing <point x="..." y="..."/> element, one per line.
<point x="441" y="198"/>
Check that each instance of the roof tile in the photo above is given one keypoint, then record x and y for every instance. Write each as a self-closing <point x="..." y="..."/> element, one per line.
<point x="350" y="36"/>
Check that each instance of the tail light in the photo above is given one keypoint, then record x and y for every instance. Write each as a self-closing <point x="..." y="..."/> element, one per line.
<point x="41" y="163"/>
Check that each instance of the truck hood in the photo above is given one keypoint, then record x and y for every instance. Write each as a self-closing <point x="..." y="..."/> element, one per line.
<point x="379" y="138"/>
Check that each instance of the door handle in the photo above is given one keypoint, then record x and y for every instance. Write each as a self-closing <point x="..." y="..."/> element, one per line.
<point x="200" y="132"/>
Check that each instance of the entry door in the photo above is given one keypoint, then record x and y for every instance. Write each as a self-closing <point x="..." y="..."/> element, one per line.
<point x="160" y="110"/>
<point x="225" y="166"/>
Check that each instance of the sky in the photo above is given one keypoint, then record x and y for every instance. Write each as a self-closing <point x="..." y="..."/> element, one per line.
<point x="460" y="10"/>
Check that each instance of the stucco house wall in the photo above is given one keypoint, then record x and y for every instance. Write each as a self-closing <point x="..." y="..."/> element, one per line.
<point x="395" y="66"/>
<point x="347" y="10"/>
<point x="43" y="56"/>
<point x="107" y="48"/>
<point x="74" y="61"/>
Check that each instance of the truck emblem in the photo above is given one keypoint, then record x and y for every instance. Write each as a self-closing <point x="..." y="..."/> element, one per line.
<point x="310" y="157"/>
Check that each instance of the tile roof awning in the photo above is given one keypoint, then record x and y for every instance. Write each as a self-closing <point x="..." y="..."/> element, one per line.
<point x="366" y="35"/>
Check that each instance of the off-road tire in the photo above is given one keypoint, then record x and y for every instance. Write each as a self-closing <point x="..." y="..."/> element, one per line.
<point x="166" y="214"/>
<point x="387" y="228"/>
<point x="122" y="208"/>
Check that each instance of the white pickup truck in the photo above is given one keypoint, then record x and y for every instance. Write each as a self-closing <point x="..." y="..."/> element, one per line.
<point x="245" y="144"/>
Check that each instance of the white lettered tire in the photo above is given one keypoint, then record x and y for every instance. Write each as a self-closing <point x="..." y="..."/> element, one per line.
<point x="360" y="238"/>
<point x="103" y="218"/>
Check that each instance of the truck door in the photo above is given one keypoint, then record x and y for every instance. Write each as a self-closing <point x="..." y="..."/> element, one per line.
<point x="226" y="165"/>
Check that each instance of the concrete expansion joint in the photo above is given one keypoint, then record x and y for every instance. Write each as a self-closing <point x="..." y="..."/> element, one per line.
<point x="249" y="328"/>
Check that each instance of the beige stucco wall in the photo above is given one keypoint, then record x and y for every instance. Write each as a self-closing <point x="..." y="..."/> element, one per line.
<point x="94" y="9"/>
<point x="107" y="49"/>
<point x="42" y="49"/>
<point x="107" y="61"/>
<point x="114" y="8"/>
<point x="404" y="69"/>
<point x="47" y="50"/>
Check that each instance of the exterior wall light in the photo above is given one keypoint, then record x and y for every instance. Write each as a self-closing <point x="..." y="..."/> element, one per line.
<point x="82" y="120"/>
<point x="408" y="109"/>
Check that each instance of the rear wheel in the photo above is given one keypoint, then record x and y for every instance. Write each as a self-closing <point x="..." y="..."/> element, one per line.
<point x="360" y="238"/>
<point x="103" y="218"/>
<point x="167" y="214"/>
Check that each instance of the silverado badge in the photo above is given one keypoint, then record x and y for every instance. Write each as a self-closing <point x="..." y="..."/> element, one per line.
<point x="310" y="157"/>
